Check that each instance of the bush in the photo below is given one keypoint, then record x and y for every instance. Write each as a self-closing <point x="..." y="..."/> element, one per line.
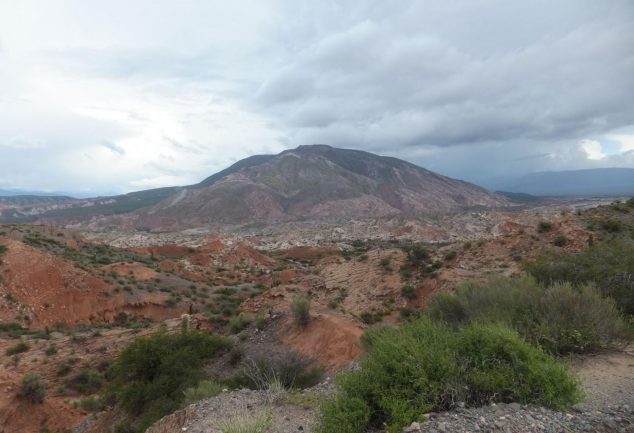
<point x="408" y="292"/>
<point x="32" y="388"/>
<point x="92" y="404"/>
<point x="245" y="420"/>
<point x="205" y="389"/>
<point x="426" y="366"/>
<point x="611" y="226"/>
<point x="343" y="414"/>
<point x="85" y="382"/>
<point x="558" y="318"/>
<point x="544" y="226"/>
<point x="407" y="312"/>
<point x="149" y="377"/>
<point x="300" y="307"/>
<point x="63" y="369"/>
<point x="239" y="322"/>
<point x="577" y="320"/>
<point x="560" y="241"/>
<point x="500" y="365"/>
<point x="417" y="255"/>
<point x="451" y="255"/>
<point x="610" y="265"/>
<point x="385" y="263"/>
<point x="17" y="348"/>
<point x="290" y="370"/>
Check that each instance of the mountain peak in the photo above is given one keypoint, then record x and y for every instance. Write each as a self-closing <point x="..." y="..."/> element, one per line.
<point x="314" y="148"/>
<point x="322" y="183"/>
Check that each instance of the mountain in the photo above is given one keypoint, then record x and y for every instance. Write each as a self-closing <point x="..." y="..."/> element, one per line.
<point x="14" y="192"/>
<point x="28" y="207"/>
<point x="315" y="183"/>
<point x="67" y="209"/>
<point x="590" y="182"/>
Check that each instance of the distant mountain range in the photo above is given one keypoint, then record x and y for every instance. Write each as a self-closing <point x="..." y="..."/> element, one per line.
<point x="14" y="192"/>
<point x="315" y="183"/>
<point x="591" y="182"/>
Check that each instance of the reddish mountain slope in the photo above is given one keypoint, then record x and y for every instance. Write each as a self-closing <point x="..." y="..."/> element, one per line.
<point x="316" y="183"/>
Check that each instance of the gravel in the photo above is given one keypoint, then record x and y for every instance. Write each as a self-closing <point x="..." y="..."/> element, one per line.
<point x="515" y="418"/>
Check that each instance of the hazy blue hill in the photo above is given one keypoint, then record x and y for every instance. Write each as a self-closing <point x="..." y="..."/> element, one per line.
<point x="590" y="182"/>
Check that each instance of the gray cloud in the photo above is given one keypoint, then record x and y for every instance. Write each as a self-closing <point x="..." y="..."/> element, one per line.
<point x="475" y="89"/>
<point x="113" y="147"/>
<point x="380" y="83"/>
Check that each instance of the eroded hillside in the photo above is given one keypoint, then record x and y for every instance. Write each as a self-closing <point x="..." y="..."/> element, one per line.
<point x="70" y="301"/>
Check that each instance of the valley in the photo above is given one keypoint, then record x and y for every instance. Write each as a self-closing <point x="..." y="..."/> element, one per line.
<point x="76" y="298"/>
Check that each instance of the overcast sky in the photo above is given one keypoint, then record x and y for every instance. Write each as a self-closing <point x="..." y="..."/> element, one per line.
<point x="115" y="96"/>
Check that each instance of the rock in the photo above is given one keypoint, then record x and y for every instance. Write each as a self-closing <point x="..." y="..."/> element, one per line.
<point x="413" y="427"/>
<point x="514" y="407"/>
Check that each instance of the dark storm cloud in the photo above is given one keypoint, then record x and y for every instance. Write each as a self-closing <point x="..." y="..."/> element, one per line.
<point x="383" y="83"/>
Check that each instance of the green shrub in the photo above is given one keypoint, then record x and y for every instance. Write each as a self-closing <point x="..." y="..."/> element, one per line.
<point x="149" y="377"/>
<point x="408" y="292"/>
<point x="407" y="312"/>
<point x="451" y="255"/>
<point x="289" y="369"/>
<point x="610" y="265"/>
<point x="92" y="404"/>
<point x="203" y="390"/>
<point x="17" y="348"/>
<point x="32" y="388"/>
<point x="85" y="382"/>
<point x="300" y="308"/>
<point x="417" y="255"/>
<point x="385" y="263"/>
<point x="560" y="241"/>
<point x="239" y="322"/>
<point x="498" y="363"/>
<point x="369" y="317"/>
<point x="577" y="320"/>
<point x="343" y="414"/>
<point x="426" y="366"/>
<point x="3" y="249"/>
<point x="559" y="318"/>
<point x="12" y="329"/>
<point x="447" y="307"/>
<point x="611" y="226"/>
<point x="544" y="226"/>
<point x="245" y="420"/>
<point x="63" y="369"/>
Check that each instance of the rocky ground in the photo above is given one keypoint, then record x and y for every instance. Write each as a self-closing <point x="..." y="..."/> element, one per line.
<point x="514" y="418"/>
<point x="608" y="382"/>
<point x="352" y="273"/>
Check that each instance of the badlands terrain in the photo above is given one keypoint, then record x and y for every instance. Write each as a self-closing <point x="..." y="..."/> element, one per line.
<point x="291" y="258"/>
<point x="72" y="299"/>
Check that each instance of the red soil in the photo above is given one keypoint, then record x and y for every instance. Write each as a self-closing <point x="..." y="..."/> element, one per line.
<point x="330" y="340"/>
<point x="137" y="270"/>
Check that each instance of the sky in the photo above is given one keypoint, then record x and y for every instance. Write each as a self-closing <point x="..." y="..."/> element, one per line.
<point x="108" y="97"/>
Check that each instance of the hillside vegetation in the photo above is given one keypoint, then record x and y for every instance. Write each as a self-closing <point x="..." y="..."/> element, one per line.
<point x="425" y="366"/>
<point x="498" y="340"/>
